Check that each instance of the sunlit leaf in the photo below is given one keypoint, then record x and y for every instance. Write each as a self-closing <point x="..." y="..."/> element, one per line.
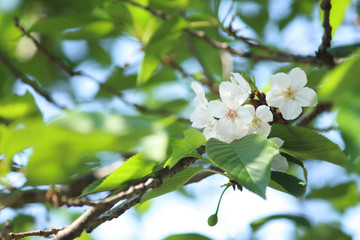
<point x="187" y="236"/>
<point x="132" y="169"/>
<point x="247" y="160"/>
<point x="185" y="147"/>
<point x="307" y="144"/>
<point x="172" y="183"/>
<point x="325" y="231"/>
<point x="337" y="13"/>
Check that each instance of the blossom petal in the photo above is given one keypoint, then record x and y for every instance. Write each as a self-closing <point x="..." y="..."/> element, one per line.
<point x="209" y="131"/>
<point x="280" y="80"/>
<point x="306" y="97"/>
<point x="263" y="112"/>
<point x="275" y="98"/>
<point x="264" y="128"/>
<point x="232" y="94"/>
<point x="290" y="110"/>
<point x="250" y="108"/>
<point x="200" y="99"/>
<point x="243" y="113"/>
<point x="217" y="109"/>
<point x="278" y="141"/>
<point x="239" y="129"/>
<point x="298" y="78"/>
<point x="244" y="85"/>
<point x="224" y="127"/>
<point x="279" y="163"/>
<point x="200" y="118"/>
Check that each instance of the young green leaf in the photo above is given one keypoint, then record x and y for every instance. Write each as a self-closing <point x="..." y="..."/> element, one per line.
<point x="185" y="147"/>
<point x="159" y="45"/>
<point x="134" y="168"/>
<point x="247" y="160"/>
<point x="173" y="183"/>
<point x="308" y="144"/>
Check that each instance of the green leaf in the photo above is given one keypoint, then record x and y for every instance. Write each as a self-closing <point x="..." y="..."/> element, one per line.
<point x="287" y="183"/>
<point x="337" y="13"/>
<point x="341" y="196"/>
<point x="299" y="220"/>
<point x="57" y="24"/>
<point x="247" y="160"/>
<point x="337" y="82"/>
<point x="78" y="137"/>
<point x="161" y="42"/>
<point x="172" y="183"/>
<point x="185" y="147"/>
<point x="325" y="231"/>
<point x="18" y="106"/>
<point x="307" y="144"/>
<point x="348" y="118"/>
<point x="133" y="168"/>
<point x="187" y="236"/>
<point x="92" y="31"/>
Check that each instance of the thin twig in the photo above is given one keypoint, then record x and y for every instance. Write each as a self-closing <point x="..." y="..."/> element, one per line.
<point x="18" y="74"/>
<point x="322" y="52"/>
<point x="280" y="57"/>
<point x="42" y="233"/>
<point x="320" y="108"/>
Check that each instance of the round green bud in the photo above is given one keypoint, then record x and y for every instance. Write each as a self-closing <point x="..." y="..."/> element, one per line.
<point x="212" y="220"/>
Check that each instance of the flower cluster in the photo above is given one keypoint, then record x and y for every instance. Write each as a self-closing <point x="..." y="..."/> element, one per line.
<point x="237" y="114"/>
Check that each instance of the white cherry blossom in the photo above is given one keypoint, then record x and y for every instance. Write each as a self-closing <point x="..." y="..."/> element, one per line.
<point x="289" y="94"/>
<point x="261" y="118"/>
<point x="279" y="162"/>
<point x="232" y="116"/>
<point x="201" y="118"/>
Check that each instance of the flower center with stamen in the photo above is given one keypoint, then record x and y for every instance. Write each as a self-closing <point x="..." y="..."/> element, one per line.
<point x="289" y="94"/>
<point x="231" y="114"/>
<point x="255" y="123"/>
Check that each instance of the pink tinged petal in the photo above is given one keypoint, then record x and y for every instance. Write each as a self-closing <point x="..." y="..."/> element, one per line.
<point x="244" y="115"/>
<point x="279" y="163"/>
<point x="263" y="112"/>
<point x="280" y="80"/>
<point x="306" y="97"/>
<point x="278" y="141"/>
<point x="239" y="129"/>
<point x="224" y="128"/>
<point x="298" y="78"/>
<point x="290" y="110"/>
<point x="217" y="109"/>
<point x="275" y="98"/>
<point x="264" y="128"/>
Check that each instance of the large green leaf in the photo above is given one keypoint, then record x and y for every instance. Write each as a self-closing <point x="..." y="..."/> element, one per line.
<point x="185" y="147"/>
<point x="287" y="183"/>
<point x="325" y="231"/>
<point x="307" y="144"/>
<point x="247" y="160"/>
<point x="91" y="31"/>
<point x="134" y="168"/>
<point x="172" y="183"/>
<point x="161" y="42"/>
<point x="299" y="220"/>
<point x="337" y="82"/>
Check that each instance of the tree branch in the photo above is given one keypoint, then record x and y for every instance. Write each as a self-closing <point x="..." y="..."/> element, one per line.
<point x="322" y="52"/>
<point x="42" y="233"/>
<point x="23" y="78"/>
<point x="278" y="57"/>
<point x="320" y="108"/>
